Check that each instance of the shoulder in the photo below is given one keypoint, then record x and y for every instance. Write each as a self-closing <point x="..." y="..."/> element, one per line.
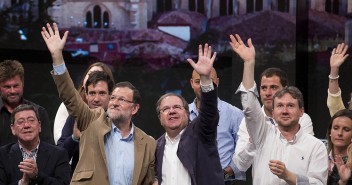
<point x="224" y="106"/>
<point x="142" y="135"/>
<point x="7" y="148"/>
<point x="53" y="148"/>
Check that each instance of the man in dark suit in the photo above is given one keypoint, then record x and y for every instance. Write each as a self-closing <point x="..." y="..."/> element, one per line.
<point x="31" y="161"/>
<point x="187" y="153"/>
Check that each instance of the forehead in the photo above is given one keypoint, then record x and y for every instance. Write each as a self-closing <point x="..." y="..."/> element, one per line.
<point x="101" y="85"/>
<point x="122" y="91"/>
<point x="95" y="68"/>
<point x="343" y="120"/>
<point x="286" y="98"/>
<point x="13" y="80"/>
<point x="25" y="114"/>
<point x="269" y="81"/>
<point x="170" y="101"/>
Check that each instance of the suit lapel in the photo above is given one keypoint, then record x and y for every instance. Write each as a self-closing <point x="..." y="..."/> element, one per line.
<point x="139" y="147"/>
<point x="15" y="156"/>
<point x="105" y="129"/>
<point x="159" y="156"/>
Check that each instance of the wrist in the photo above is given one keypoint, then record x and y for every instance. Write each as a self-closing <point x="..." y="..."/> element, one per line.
<point x="74" y="138"/>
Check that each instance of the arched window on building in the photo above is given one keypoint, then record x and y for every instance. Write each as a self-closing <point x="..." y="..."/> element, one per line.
<point x="196" y="5"/>
<point x="97" y="17"/>
<point x="226" y="7"/>
<point x="258" y="5"/>
<point x="163" y="5"/>
<point x="250" y="5"/>
<point x="89" y="20"/>
<point x="335" y="7"/>
<point x="106" y="21"/>
<point x="283" y="5"/>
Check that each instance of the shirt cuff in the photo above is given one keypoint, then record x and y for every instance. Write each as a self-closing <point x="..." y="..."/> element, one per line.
<point x="253" y="89"/>
<point x="239" y="175"/>
<point x="335" y="94"/>
<point x="59" y="69"/>
<point x="302" y="180"/>
<point x="207" y="88"/>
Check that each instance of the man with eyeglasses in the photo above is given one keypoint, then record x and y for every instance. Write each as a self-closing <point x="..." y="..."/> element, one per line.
<point x="26" y="162"/>
<point x="112" y="149"/>
<point x="187" y="153"/>
<point x="98" y="88"/>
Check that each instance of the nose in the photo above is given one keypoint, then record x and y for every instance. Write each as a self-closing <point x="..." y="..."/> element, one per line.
<point x="340" y="132"/>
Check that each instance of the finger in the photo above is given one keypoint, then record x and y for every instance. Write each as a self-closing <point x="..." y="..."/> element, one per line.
<point x="333" y="51"/>
<point x="206" y="49"/>
<point x="209" y="52"/>
<point x="200" y="51"/>
<point x="233" y="46"/>
<point x="56" y="28"/>
<point x="344" y="58"/>
<point x="249" y="42"/>
<point x="239" y="40"/>
<point x="213" y="58"/>
<point x="190" y="61"/>
<point x="51" y="33"/>
<point x="344" y="50"/>
<point x="64" y="37"/>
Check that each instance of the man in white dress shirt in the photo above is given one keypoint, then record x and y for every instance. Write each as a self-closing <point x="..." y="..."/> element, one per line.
<point x="285" y="154"/>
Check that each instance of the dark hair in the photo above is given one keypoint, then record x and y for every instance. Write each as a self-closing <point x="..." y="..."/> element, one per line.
<point x="21" y="108"/>
<point x="10" y="69"/>
<point x="184" y="102"/>
<point x="136" y="95"/>
<point x="273" y="71"/>
<point x="341" y="113"/>
<point x="98" y="64"/>
<point x="97" y="76"/>
<point x="293" y="91"/>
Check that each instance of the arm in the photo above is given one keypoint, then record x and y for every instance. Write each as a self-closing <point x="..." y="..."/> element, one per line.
<point x="66" y="140"/>
<point x="338" y="56"/>
<point x="69" y="95"/>
<point x="245" y="150"/>
<point x="254" y="117"/>
<point x="209" y="115"/>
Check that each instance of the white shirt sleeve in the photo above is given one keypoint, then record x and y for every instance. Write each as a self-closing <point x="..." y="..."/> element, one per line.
<point x="306" y="124"/>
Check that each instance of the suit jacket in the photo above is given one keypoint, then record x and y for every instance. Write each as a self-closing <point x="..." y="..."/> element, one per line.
<point x="52" y="162"/>
<point x="94" y="125"/>
<point x="65" y="141"/>
<point x="197" y="149"/>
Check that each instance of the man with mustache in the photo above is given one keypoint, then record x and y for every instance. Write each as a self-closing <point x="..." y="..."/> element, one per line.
<point x="11" y="89"/>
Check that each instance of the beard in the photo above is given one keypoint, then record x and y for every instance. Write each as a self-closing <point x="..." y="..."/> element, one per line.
<point x="11" y="101"/>
<point x="117" y="118"/>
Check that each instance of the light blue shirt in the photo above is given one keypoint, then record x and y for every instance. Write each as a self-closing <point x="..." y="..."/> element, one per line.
<point x="229" y="122"/>
<point x="120" y="156"/>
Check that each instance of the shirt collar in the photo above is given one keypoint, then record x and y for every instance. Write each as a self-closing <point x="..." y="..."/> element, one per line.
<point x="130" y="136"/>
<point x="33" y="153"/>
<point x="176" y="139"/>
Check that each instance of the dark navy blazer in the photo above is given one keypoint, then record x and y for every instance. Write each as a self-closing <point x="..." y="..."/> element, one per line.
<point x="197" y="149"/>
<point x="52" y="162"/>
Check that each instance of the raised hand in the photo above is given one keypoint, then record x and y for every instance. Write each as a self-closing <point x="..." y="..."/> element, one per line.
<point x="343" y="169"/>
<point x="205" y="61"/>
<point x="247" y="54"/>
<point x="54" y="42"/>
<point x="338" y="55"/>
<point x="29" y="167"/>
<point x="279" y="169"/>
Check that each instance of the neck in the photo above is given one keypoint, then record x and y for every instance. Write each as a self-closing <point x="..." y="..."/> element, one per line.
<point x="173" y="133"/>
<point x="197" y="103"/>
<point x="268" y="112"/>
<point x="29" y="146"/>
<point x="341" y="151"/>
<point x="289" y="132"/>
<point x="124" y="127"/>
<point x="10" y="107"/>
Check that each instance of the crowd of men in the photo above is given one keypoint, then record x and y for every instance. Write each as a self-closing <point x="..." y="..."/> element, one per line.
<point x="207" y="141"/>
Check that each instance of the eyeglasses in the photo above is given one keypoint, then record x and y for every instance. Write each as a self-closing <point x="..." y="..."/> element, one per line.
<point x="167" y="109"/>
<point x="29" y="120"/>
<point x="121" y="100"/>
